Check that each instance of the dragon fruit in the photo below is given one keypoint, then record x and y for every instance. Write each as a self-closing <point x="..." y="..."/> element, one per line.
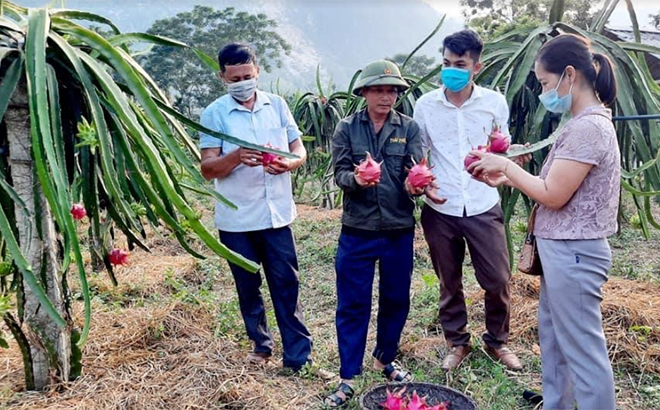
<point x="394" y="401"/>
<point x="470" y="158"/>
<point x="498" y="143"/>
<point x="78" y="211"/>
<point x="369" y="169"/>
<point x="416" y="403"/>
<point x="420" y="175"/>
<point x="267" y="157"/>
<point x="442" y="406"/>
<point x="118" y="257"/>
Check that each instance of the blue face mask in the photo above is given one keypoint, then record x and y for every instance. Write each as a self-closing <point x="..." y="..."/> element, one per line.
<point x="553" y="102"/>
<point x="455" y="79"/>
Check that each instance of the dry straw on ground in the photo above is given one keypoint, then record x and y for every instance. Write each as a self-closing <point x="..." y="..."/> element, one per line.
<point x="159" y="357"/>
<point x="630" y="318"/>
<point x="152" y="355"/>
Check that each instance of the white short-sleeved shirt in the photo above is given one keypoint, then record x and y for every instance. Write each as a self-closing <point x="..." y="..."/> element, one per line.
<point x="450" y="133"/>
<point x="264" y="201"/>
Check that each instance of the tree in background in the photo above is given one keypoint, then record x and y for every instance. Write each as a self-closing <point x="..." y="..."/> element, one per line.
<point x="492" y="18"/>
<point x="190" y="84"/>
<point x="417" y="66"/>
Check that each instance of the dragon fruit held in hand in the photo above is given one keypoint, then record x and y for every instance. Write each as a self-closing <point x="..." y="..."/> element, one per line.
<point x="267" y="157"/>
<point x="78" y="211"/>
<point x="470" y="158"/>
<point x="498" y="142"/>
<point x="420" y="174"/>
<point x="118" y="257"/>
<point x="396" y="401"/>
<point x="369" y="169"/>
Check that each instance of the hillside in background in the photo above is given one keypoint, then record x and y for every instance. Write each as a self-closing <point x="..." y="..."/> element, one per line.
<point x="340" y="35"/>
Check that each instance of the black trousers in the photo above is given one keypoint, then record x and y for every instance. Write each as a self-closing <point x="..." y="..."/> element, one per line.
<point x="275" y="250"/>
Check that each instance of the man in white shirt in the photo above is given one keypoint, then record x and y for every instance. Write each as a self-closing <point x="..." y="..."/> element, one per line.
<point x="454" y="120"/>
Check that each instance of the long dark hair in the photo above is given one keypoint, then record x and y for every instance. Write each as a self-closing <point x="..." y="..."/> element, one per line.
<point x="573" y="50"/>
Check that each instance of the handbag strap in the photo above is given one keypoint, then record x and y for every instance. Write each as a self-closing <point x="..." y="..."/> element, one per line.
<point x="532" y="219"/>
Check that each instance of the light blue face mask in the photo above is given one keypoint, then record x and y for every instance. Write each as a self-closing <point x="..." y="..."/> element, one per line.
<point x="455" y="79"/>
<point x="553" y="102"/>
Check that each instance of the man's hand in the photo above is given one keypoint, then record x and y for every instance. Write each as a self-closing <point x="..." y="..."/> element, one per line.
<point x="279" y="166"/>
<point x="521" y="160"/>
<point x="411" y="190"/>
<point x="431" y="192"/>
<point x="250" y="157"/>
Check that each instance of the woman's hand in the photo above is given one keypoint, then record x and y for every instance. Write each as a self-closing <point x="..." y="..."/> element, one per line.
<point x="521" y="160"/>
<point x="493" y="180"/>
<point x="488" y="164"/>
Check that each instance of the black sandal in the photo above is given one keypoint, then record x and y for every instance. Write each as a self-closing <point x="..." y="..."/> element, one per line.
<point x="337" y="400"/>
<point x="401" y="375"/>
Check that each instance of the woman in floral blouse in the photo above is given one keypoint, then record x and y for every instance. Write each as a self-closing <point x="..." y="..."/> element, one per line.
<point x="578" y="197"/>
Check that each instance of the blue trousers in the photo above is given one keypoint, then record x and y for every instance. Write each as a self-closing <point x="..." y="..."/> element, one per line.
<point x="275" y="250"/>
<point x="355" y="265"/>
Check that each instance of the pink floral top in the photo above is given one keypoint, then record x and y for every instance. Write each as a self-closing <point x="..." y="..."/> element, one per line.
<point x="591" y="213"/>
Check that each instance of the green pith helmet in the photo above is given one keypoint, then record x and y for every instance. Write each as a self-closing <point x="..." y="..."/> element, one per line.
<point x="379" y="72"/>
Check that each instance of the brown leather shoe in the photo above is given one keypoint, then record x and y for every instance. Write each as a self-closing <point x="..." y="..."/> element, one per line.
<point x="505" y="356"/>
<point x="455" y="356"/>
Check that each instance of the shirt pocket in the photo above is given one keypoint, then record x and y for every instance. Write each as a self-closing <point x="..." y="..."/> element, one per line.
<point x="275" y="137"/>
<point x="359" y="153"/>
<point x="395" y="157"/>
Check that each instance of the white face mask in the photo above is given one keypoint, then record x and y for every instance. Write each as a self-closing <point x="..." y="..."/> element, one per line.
<point x="242" y="90"/>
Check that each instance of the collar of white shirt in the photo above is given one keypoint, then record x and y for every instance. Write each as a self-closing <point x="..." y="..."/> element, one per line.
<point x="477" y="93"/>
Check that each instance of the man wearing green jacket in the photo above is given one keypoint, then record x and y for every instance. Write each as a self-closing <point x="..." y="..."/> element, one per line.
<point x="377" y="226"/>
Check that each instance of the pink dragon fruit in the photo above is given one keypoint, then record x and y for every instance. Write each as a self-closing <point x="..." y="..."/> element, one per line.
<point x="498" y="142"/>
<point x="394" y="401"/>
<point x="267" y="157"/>
<point x="416" y="403"/>
<point x="369" y="169"/>
<point x="78" y="211"/>
<point x="420" y="175"/>
<point x="442" y="406"/>
<point x="470" y="158"/>
<point x="118" y="257"/>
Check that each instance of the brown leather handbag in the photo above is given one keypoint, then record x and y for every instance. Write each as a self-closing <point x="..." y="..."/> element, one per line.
<point x="529" y="261"/>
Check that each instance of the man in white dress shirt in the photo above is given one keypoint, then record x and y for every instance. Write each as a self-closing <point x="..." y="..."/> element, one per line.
<point x="454" y="120"/>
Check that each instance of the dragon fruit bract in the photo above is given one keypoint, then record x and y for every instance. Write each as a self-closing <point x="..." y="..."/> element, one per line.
<point x="420" y="175"/>
<point x="369" y="169"/>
